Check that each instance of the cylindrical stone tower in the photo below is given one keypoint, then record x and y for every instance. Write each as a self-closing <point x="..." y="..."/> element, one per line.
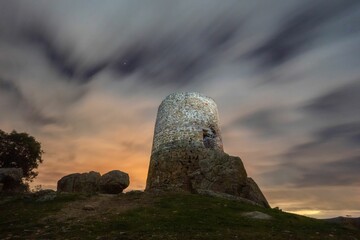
<point x="187" y="118"/>
<point x="187" y="153"/>
<point x="186" y="132"/>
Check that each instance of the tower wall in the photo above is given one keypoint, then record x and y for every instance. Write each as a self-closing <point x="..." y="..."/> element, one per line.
<point x="187" y="118"/>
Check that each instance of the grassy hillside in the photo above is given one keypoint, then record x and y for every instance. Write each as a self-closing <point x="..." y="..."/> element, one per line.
<point x="143" y="216"/>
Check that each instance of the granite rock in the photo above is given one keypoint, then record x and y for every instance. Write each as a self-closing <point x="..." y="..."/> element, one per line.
<point x="79" y="182"/>
<point x="114" y="182"/>
<point x="191" y="169"/>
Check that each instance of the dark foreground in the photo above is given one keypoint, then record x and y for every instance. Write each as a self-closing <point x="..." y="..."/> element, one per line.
<point x="137" y="215"/>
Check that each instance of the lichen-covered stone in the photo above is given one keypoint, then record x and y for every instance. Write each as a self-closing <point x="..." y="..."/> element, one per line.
<point x="114" y="182"/>
<point x="187" y="116"/>
<point x="187" y="153"/>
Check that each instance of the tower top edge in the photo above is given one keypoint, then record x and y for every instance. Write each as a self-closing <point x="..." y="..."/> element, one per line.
<point x="185" y="95"/>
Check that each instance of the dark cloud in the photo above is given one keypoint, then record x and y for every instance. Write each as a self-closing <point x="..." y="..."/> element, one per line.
<point x="343" y="172"/>
<point x="266" y="122"/>
<point x="222" y="31"/>
<point x="62" y="59"/>
<point x="164" y="56"/>
<point x="173" y="59"/>
<point x="349" y="133"/>
<point x="158" y="55"/>
<point x="338" y="173"/>
<point x="341" y="102"/>
<point x="30" y="112"/>
<point x="310" y="164"/>
<point x="346" y="136"/>
<point x="10" y="87"/>
<point x="166" y="59"/>
<point x="59" y="58"/>
<point x="91" y="71"/>
<point x="26" y="27"/>
<point x="298" y="31"/>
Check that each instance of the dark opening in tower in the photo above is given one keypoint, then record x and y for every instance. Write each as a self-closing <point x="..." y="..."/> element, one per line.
<point x="209" y="137"/>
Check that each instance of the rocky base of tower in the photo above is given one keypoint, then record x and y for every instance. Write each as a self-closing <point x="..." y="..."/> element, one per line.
<point x="198" y="169"/>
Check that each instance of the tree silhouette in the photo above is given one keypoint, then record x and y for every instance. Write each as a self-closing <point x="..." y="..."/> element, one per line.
<point x="20" y="150"/>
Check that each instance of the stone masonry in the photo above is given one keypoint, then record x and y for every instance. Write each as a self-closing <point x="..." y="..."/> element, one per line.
<point x="187" y="116"/>
<point x="187" y="153"/>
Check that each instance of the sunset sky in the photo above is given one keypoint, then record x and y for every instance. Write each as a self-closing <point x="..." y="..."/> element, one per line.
<point x="85" y="79"/>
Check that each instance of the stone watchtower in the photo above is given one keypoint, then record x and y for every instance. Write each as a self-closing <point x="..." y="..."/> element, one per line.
<point x="187" y="119"/>
<point x="187" y="152"/>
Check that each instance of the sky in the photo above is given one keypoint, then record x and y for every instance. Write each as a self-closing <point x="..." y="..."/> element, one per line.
<point x="85" y="78"/>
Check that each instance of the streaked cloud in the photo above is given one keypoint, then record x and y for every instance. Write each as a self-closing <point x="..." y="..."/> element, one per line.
<point x="86" y="78"/>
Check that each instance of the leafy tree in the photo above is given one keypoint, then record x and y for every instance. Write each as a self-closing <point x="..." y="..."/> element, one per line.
<point x="20" y="150"/>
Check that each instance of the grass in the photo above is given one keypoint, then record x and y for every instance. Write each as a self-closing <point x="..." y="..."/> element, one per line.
<point x="171" y="216"/>
<point x="20" y="216"/>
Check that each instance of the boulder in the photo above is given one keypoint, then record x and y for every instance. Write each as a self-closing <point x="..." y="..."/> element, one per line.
<point x="198" y="170"/>
<point x="88" y="208"/>
<point x="11" y="179"/>
<point x="257" y="215"/>
<point x="114" y="182"/>
<point x="15" y="174"/>
<point x="79" y="182"/>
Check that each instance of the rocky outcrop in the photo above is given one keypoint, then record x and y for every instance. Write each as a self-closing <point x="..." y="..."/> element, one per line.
<point x="114" y="182"/>
<point x="79" y="182"/>
<point x="195" y="169"/>
<point x="11" y="179"/>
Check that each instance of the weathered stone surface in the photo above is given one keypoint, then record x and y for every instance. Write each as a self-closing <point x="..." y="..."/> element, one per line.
<point x="88" y="208"/>
<point x="201" y="169"/>
<point x="187" y="153"/>
<point x="188" y="116"/>
<point x="11" y="179"/>
<point x="252" y="192"/>
<point x="220" y="172"/>
<point x="114" y="182"/>
<point x="226" y="196"/>
<point x="257" y="215"/>
<point x="79" y="182"/>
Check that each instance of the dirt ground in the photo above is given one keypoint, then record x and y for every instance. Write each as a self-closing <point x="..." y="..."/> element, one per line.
<point x="99" y="206"/>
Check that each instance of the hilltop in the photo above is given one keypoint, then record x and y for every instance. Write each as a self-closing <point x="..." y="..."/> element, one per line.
<point x="139" y="215"/>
